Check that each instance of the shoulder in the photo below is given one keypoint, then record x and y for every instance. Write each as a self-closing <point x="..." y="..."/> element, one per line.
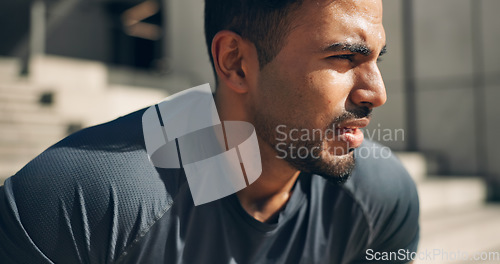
<point x="387" y="195"/>
<point x="95" y="190"/>
<point x="110" y="153"/>
<point x="379" y="175"/>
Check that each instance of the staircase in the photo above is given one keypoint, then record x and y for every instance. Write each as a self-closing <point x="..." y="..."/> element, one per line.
<point x="28" y="122"/>
<point x="60" y="96"/>
<point x="27" y="127"/>
<point x="455" y="220"/>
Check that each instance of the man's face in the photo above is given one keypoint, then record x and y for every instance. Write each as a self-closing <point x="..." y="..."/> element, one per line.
<point x="314" y="97"/>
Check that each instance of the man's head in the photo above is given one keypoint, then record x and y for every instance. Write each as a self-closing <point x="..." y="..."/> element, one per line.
<point x="307" y="82"/>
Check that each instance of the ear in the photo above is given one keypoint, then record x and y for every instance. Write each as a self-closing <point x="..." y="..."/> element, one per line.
<point x="235" y="60"/>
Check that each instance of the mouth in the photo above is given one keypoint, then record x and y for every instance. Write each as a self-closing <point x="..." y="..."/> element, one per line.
<point x="350" y="132"/>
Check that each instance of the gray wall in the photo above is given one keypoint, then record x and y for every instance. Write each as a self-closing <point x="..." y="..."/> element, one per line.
<point x="444" y="72"/>
<point x="444" y="87"/>
<point x="491" y="22"/>
<point x="87" y="29"/>
<point x="186" y="49"/>
<point x="392" y="115"/>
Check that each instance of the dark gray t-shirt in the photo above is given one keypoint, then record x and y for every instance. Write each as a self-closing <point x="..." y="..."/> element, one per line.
<point x="94" y="197"/>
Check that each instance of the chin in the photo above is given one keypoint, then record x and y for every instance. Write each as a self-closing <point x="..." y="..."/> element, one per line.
<point x="334" y="168"/>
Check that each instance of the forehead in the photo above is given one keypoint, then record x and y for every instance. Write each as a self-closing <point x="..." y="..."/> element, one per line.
<point x="340" y="20"/>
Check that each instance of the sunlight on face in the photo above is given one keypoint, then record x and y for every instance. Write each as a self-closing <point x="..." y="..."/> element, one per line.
<point x="325" y="77"/>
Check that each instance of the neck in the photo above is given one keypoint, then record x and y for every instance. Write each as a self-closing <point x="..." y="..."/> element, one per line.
<point x="268" y="195"/>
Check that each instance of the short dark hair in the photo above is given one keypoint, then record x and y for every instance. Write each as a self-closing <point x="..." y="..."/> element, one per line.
<point x="265" y="23"/>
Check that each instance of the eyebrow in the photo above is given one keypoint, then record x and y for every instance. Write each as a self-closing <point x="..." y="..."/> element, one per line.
<point x="354" y="48"/>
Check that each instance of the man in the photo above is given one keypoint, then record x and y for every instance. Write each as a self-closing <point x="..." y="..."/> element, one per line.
<point x="287" y="67"/>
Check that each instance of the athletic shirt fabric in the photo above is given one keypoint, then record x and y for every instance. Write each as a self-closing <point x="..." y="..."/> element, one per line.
<point x="94" y="197"/>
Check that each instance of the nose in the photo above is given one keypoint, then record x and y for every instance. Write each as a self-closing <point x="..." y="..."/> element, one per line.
<point x="369" y="89"/>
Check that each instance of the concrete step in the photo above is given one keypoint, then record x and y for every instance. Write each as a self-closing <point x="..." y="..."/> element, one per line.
<point x="9" y="68"/>
<point x="415" y="163"/>
<point x="447" y="236"/>
<point x="442" y="194"/>
<point x="34" y="134"/>
<point x="20" y="95"/>
<point x="21" y="85"/>
<point x="14" y="153"/>
<point x="13" y="107"/>
<point x="25" y="144"/>
<point x="419" y="164"/>
<point x="40" y="117"/>
<point x="25" y="100"/>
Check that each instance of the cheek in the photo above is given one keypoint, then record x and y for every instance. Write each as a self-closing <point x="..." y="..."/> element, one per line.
<point x="327" y="93"/>
<point x="281" y="92"/>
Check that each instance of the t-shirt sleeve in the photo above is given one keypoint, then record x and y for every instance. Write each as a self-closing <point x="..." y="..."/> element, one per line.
<point x="84" y="200"/>
<point x="397" y="232"/>
<point x="15" y="244"/>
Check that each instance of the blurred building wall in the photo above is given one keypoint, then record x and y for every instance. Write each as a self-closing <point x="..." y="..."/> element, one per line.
<point x="491" y="22"/>
<point x="83" y="32"/>
<point x="444" y="71"/>
<point x="392" y="115"/>
<point x="187" y="52"/>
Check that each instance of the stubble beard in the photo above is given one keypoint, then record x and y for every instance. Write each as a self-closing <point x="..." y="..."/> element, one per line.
<point x="334" y="168"/>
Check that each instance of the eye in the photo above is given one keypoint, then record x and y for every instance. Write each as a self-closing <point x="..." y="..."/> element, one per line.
<point x="349" y="57"/>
